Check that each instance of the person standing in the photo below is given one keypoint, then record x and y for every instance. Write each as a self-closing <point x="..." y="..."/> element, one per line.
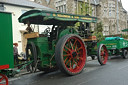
<point x="15" y="53"/>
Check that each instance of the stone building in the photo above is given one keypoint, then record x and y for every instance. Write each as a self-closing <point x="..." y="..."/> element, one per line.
<point x="47" y="3"/>
<point x="127" y="21"/>
<point x="67" y="6"/>
<point x="105" y="10"/>
<point x="94" y="4"/>
<point x="113" y="22"/>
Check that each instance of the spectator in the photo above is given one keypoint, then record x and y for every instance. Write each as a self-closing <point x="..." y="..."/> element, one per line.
<point x="15" y="53"/>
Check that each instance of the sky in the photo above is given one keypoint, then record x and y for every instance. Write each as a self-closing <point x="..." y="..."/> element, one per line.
<point x="125" y="4"/>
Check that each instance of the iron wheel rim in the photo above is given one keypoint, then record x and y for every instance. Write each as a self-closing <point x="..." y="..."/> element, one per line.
<point x="104" y="54"/>
<point x="3" y="80"/>
<point x="74" y="54"/>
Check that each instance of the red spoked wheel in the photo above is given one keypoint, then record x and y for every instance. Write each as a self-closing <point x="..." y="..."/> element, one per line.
<point x="102" y="54"/>
<point x="70" y="54"/>
<point x="3" y="80"/>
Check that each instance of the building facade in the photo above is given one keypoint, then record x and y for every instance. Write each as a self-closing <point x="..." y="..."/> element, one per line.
<point x="47" y="3"/>
<point x="80" y="7"/>
<point x="60" y="5"/>
<point x="127" y="20"/>
<point x="113" y="16"/>
<point x="110" y="12"/>
<point x="18" y="7"/>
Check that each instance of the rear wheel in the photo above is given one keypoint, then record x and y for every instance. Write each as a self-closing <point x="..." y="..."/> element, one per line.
<point x="31" y="55"/>
<point x="125" y="54"/>
<point x="102" y="54"/>
<point x="70" y="54"/>
<point x="3" y="79"/>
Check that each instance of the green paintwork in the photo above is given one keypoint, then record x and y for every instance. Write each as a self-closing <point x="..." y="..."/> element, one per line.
<point x="64" y="22"/>
<point x="46" y="17"/>
<point x="67" y="31"/>
<point x="6" y="51"/>
<point x="125" y="30"/>
<point x="115" y="44"/>
<point x="43" y="51"/>
<point x="115" y="47"/>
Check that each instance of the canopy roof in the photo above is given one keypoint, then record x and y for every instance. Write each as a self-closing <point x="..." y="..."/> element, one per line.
<point x="54" y="18"/>
<point x="125" y="30"/>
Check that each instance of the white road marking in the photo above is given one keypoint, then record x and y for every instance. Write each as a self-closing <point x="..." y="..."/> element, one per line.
<point x="13" y="79"/>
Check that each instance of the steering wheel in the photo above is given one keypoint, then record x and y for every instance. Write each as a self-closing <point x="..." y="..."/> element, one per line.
<point x="47" y="31"/>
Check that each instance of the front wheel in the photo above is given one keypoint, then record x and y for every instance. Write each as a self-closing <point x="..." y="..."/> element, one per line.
<point x="70" y="54"/>
<point x="102" y="54"/>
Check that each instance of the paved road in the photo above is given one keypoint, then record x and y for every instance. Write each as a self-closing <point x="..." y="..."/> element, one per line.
<point x="114" y="73"/>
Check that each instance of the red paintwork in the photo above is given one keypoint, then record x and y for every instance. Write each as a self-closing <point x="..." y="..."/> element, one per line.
<point x="104" y="55"/>
<point x="3" y="78"/>
<point x="4" y="66"/>
<point x="74" y="63"/>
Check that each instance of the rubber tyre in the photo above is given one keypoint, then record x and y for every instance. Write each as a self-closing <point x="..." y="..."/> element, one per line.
<point x="32" y="67"/>
<point x="59" y="55"/>
<point x="125" y="54"/>
<point x="102" y="56"/>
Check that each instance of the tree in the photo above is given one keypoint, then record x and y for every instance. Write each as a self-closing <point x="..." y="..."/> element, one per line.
<point x="98" y="32"/>
<point x="83" y="9"/>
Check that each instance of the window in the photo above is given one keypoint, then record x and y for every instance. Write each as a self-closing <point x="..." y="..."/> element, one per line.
<point x="109" y="12"/>
<point x="61" y="8"/>
<point x="61" y="5"/>
<point x="93" y="12"/>
<point x="56" y="8"/>
<point x="110" y="7"/>
<point x="105" y="12"/>
<point x="2" y="7"/>
<point x="64" y="8"/>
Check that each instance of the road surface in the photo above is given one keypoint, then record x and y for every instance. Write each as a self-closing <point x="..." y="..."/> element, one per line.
<point x="115" y="72"/>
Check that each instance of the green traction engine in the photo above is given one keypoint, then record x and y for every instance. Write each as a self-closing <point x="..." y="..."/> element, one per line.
<point x="61" y="46"/>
